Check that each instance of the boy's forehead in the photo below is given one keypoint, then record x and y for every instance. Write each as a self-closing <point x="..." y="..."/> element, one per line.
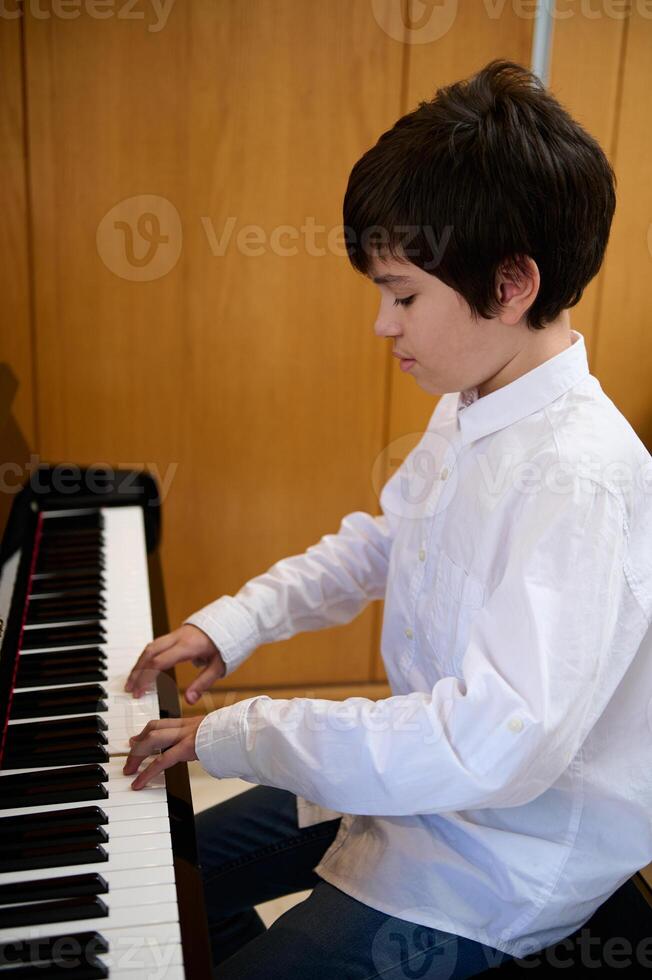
<point x="391" y="272"/>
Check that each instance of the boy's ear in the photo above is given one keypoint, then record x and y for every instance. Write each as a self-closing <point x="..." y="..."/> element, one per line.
<point x="517" y="285"/>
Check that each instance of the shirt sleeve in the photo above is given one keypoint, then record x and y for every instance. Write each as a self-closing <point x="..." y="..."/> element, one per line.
<point x="535" y="676"/>
<point x="327" y="585"/>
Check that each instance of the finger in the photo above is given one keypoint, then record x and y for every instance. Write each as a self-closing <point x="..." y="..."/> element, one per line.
<point x="164" y="761"/>
<point x="159" y="645"/>
<point x="152" y="648"/>
<point x="155" y="724"/>
<point x="144" y="681"/>
<point x="204" y="680"/>
<point x="154" y="742"/>
<point x="171" y="657"/>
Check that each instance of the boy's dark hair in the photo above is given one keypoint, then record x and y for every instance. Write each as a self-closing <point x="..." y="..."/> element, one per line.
<point x="492" y="169"/>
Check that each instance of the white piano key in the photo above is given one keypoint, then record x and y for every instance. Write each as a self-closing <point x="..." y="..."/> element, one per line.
<point x="130" y="844"/>
<point x="170" y="972"/>
<point x="134" y="958"/>
<point x="117" y="862"/>
<point x="137" y="829"/>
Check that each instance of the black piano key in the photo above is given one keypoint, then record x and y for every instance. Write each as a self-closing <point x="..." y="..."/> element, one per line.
<point x="83" y="831"/>
<point x="59" y="855"/>
<point x="17" y="780"/>
<point x="49" y="663"/>
<point x="63" y="636"/>
<point x="44" y="889"/>
<point x="51" y="678"/>
<point x="83" y="945"/>
<point x="84" y="907"/>
<point x="60" y="602"/>
<point x="62" y="657"/>
<point x="71" y="542"/>
<point x="88" y="562"/>
<point x="62" y="727"/>
<point x="67" y="581"/>
<point x="74" y="969"/>
<point x="53" y="819"/>
<point x="71" y="555"/>
<point x="59" y="701"/>
<point x="74" y="784"/>
<point x="64" y="614"/>
<point x="81" y="592"/>
<point x="51" y="543"/>
<point x="90" y="518"/>
<point x="66" y="598"/>
<point x="56" y="756"/>
<point x="26" y="841"/>
<point x="50" y="795"/>
<point x="69" y="549"/>
<point x="81" y="566"/>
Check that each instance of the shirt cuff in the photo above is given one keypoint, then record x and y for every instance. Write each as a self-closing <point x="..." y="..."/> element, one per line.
<point x="221" y="742"/>
<point x="230" y="627"/>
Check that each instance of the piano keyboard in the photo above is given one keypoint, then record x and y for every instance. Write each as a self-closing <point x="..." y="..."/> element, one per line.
<point x="87" y="875"/>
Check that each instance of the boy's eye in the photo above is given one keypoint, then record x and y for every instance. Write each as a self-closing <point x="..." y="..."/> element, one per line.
<point x="403" y="302"/>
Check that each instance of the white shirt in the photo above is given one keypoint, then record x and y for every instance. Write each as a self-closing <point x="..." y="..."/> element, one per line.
<point x="504" y="790"/>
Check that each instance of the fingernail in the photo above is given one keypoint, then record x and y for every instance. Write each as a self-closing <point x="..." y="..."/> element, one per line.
<point x="192" y="696"/>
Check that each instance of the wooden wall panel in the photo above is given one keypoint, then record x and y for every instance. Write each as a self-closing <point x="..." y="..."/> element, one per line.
<point x="623" y="346"/>
<point x="17" y="422"/>
<point x="465" y="38"/>
<point x="254" y="382"/>
<point x="585" y="73"/>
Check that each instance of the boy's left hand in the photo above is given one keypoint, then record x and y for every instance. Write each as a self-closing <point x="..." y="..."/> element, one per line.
<point x="175" y="737"/>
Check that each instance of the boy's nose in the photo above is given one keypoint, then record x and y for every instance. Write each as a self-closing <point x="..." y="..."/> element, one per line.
<point x="386" y="324"/>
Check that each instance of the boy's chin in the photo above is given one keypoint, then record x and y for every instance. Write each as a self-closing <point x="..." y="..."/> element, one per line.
<point x="430" y="385"/>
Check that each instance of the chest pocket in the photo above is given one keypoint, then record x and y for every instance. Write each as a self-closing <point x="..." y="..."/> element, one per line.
<point x="452" y="601"/>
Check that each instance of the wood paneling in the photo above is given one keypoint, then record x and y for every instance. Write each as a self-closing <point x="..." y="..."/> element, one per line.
<point x="17" y="421"/>
<point x="586" y="65"/>
<point x="254" y="381"/>
<point x="623" y="348"/>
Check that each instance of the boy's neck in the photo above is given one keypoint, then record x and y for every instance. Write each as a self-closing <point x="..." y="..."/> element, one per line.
<point x="541" y="346"/>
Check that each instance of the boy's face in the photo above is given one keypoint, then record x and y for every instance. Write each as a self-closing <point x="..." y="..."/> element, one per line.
<point x="451" y="350"/>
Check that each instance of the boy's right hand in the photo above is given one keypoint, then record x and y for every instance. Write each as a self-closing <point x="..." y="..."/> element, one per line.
<point x="186" y="643"/>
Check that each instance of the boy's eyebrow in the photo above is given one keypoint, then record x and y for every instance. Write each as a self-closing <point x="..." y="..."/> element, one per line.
<point x="392" y="280"/>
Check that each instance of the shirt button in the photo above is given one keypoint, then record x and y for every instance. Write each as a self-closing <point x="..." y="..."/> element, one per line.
<point x="444" y="473"/>
<point x="409" y="633"/>
<point x="422" y="554"/>
<point x="515" y="724"/>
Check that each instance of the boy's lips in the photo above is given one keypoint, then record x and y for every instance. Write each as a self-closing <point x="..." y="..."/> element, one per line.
<point x="407" y="363"/>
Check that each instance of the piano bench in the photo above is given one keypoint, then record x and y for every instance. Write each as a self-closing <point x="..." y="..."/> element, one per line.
<point x="617" y="936"/>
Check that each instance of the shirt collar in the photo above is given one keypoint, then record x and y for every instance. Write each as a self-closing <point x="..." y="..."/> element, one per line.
<point x="529" y="393"/>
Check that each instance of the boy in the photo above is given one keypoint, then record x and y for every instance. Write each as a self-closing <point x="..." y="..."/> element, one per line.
<point x="504" y="791"/>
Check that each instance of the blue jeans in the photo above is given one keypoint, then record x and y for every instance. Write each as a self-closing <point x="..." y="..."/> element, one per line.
<point x="252" y="850"/>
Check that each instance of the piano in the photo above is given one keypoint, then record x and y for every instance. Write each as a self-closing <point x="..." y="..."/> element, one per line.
<point x="96" y="879"/>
